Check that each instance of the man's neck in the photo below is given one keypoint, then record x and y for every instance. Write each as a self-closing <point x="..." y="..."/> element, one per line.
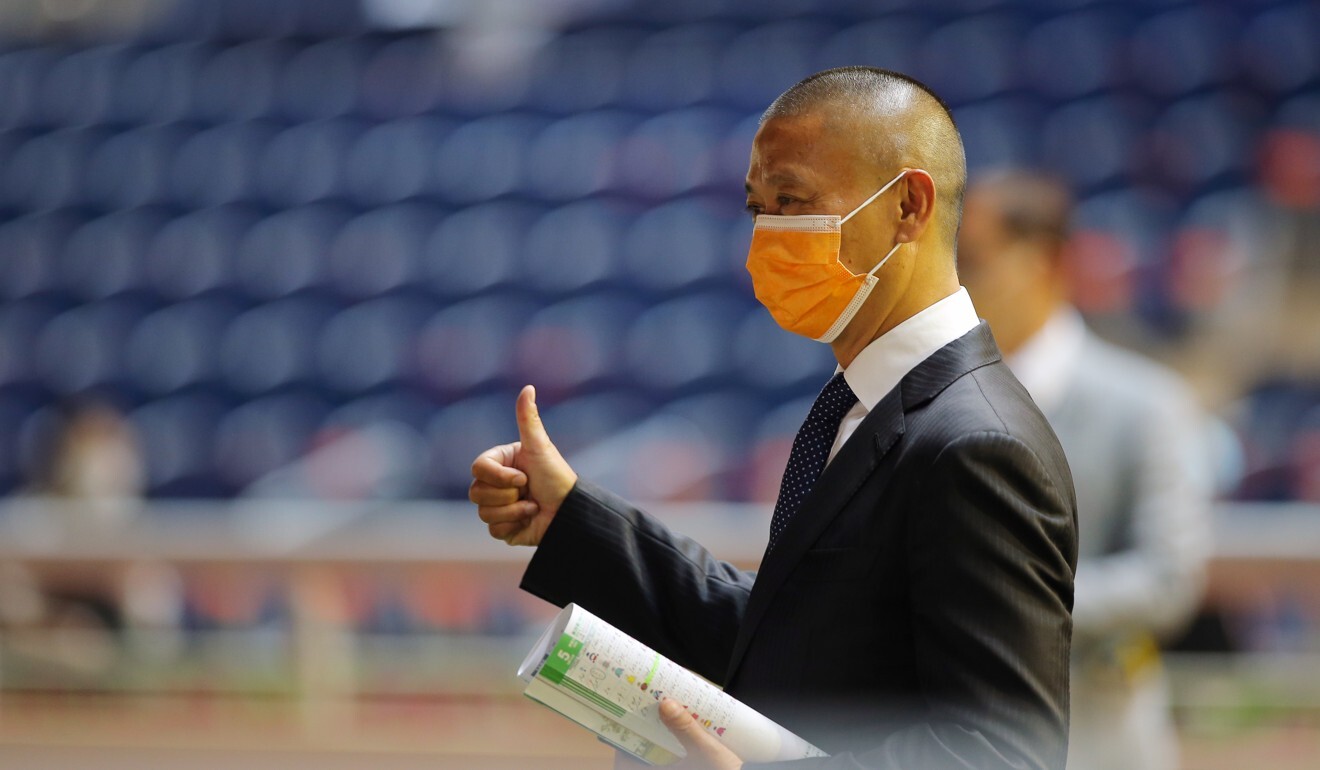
<point x="857" y="336"/>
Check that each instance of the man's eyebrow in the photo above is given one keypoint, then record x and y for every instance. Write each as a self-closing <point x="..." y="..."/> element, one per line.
<point x="781" y="178"/>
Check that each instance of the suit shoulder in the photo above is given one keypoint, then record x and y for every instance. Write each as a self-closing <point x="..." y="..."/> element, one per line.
<point x="1123" y="378"/>
<point x="987" y="400"/>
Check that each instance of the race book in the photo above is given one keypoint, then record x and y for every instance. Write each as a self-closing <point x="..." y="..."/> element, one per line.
<point x="612" y="684"/>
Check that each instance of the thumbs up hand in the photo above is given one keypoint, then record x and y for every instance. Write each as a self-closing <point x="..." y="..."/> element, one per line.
<point x="518" y="487"/>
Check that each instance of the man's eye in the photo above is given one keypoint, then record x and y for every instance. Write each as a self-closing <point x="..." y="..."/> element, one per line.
<point x="753" y="209"/>
<point x="784" y="200"/>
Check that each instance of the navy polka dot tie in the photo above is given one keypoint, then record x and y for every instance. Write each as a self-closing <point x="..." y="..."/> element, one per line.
<point x="811" y="448"/>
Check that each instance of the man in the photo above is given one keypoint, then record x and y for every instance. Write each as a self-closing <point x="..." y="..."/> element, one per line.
<point x="1130" y="431"/>
<point x="913" y="607"/>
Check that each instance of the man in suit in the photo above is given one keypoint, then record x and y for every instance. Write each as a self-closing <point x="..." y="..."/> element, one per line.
<point x="913" y="607"/>
<point x="1133" y="436"/>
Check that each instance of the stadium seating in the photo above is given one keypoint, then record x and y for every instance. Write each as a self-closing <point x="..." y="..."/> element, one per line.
<point x="256" y="221"/>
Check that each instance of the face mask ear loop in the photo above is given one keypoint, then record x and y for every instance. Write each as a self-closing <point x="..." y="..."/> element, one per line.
<point x="871" y="273"/>
<point x="877" y="194"/>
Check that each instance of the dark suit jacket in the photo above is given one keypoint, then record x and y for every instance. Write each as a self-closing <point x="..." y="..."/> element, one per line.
<point x="915" y="613"/>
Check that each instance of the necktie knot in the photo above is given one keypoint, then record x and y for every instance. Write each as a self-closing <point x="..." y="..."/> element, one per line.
<point x="811" y="449"/>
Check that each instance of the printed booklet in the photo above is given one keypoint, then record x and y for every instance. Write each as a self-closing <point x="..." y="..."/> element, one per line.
<point x="612" y="684"/>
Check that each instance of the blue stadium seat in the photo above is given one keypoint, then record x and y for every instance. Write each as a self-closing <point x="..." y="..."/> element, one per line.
<point x="763" y="61"/>
<point x="157" y="85"/>
<point x="405" y="77"/>
<point x="461" y="430"/>
<point x="575" y="344"/>
<point x="394" y="161"/>
<point x="571" y="248"/>
<point x="685" y="343"/>
<point x="46" y="171"/>
<point x="478" y="248"/>
<point x="579" y="422"/>
<point x="370" y="345"/>
<point x="1300" y="112"/>
<point x="675" y="246"/>
<point x="1201" y="139"/>
<point x="403" y="406"/>
<point x="672" y="153"/>
<point x="178" y="443"/>
<point x="21" y="74"/>
<point x="22" y="325"/>
<point x="1142" y="217"/>
<point x="572" y="157"/>
<point x="321" y="81"/>
<point x="469" y="346"/>
<point x="195" y="253"/>
<point x="273" y="346"/>
<point x="582" y="71"/>
<point x="104" y="257"/>
<point x="83" y="348"/>
<point x="666" y="457"/>
<point x="132" y="169"/>
<point x="773" y="361"/>
<point x="264" y="435"/>
<point x="1278" y="49"/>
<point x="240" y="83"/>
<point x="285" y="253"/>
<point x="1107" y="126"/>
<point x="302" y="164"/>
<point x="728" y="415"/>
<point x="972" y="58"/>
<point x="892" y="41"/>
<point x="1182" y="50"/>
<point x="1075" y="54"/>
<point x="78" y="89"/>
<point x="15" y="412"/>
<point x="485" y="158"/>
<point x="174" y="348"/>
<point x="28" y="246"/>
<point x="675" y="67"/>
<point x="728" y="163"/>
<point x="378" y="251"/>
<point x="219" y="165"/>
<point x="1001" y="131"/>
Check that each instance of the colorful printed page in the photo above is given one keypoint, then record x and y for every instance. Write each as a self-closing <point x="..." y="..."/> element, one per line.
<point x="610" y="683"/>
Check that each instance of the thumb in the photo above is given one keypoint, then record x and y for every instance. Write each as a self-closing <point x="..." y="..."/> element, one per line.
<point x="531" y="431"/>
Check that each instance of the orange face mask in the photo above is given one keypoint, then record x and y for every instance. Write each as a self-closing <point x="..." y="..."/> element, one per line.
<point x="797" y="275"/>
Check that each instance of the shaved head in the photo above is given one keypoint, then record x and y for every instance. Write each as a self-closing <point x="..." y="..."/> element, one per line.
<point x="895" y="120"/>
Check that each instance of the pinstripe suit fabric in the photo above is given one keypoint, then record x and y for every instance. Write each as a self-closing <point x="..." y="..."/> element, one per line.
<point x="914" y="614"/>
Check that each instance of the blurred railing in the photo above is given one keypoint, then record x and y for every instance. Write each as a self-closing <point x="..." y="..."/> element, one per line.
<point x="320" y="562"/>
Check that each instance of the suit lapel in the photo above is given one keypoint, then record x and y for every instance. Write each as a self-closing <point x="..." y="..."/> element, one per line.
<point x="840" y="480"/>
<point x="856" y="461"/>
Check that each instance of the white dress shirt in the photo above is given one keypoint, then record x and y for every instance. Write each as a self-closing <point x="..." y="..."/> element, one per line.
<point x="882" y="364"/>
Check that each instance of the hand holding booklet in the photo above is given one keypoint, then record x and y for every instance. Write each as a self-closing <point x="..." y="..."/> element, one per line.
<point x="612" y="684"/>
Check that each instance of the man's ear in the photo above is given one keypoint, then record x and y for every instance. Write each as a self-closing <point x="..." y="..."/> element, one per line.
<point x="916" y="204"/>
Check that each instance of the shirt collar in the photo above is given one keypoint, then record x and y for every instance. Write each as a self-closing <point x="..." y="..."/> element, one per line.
<point x="883" y="363"/>
<point x="1045" y="361"/>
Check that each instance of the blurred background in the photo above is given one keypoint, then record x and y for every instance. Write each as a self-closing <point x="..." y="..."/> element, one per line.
<point x="272" y="272"/>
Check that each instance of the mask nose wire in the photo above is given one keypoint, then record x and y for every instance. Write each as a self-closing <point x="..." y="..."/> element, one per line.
<point x="877" y="194"/>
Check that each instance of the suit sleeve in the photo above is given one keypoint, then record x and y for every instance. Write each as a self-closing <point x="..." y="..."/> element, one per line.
<point x="658" y="587"/>
<point x="1155" y="583"/>
<point x="992" y="550"/>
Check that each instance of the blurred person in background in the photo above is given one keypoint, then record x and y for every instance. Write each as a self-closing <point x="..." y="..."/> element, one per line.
<point x="88" y="478"/>
<point x="1135" y="441"/>
<point x="912" y="608"/>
